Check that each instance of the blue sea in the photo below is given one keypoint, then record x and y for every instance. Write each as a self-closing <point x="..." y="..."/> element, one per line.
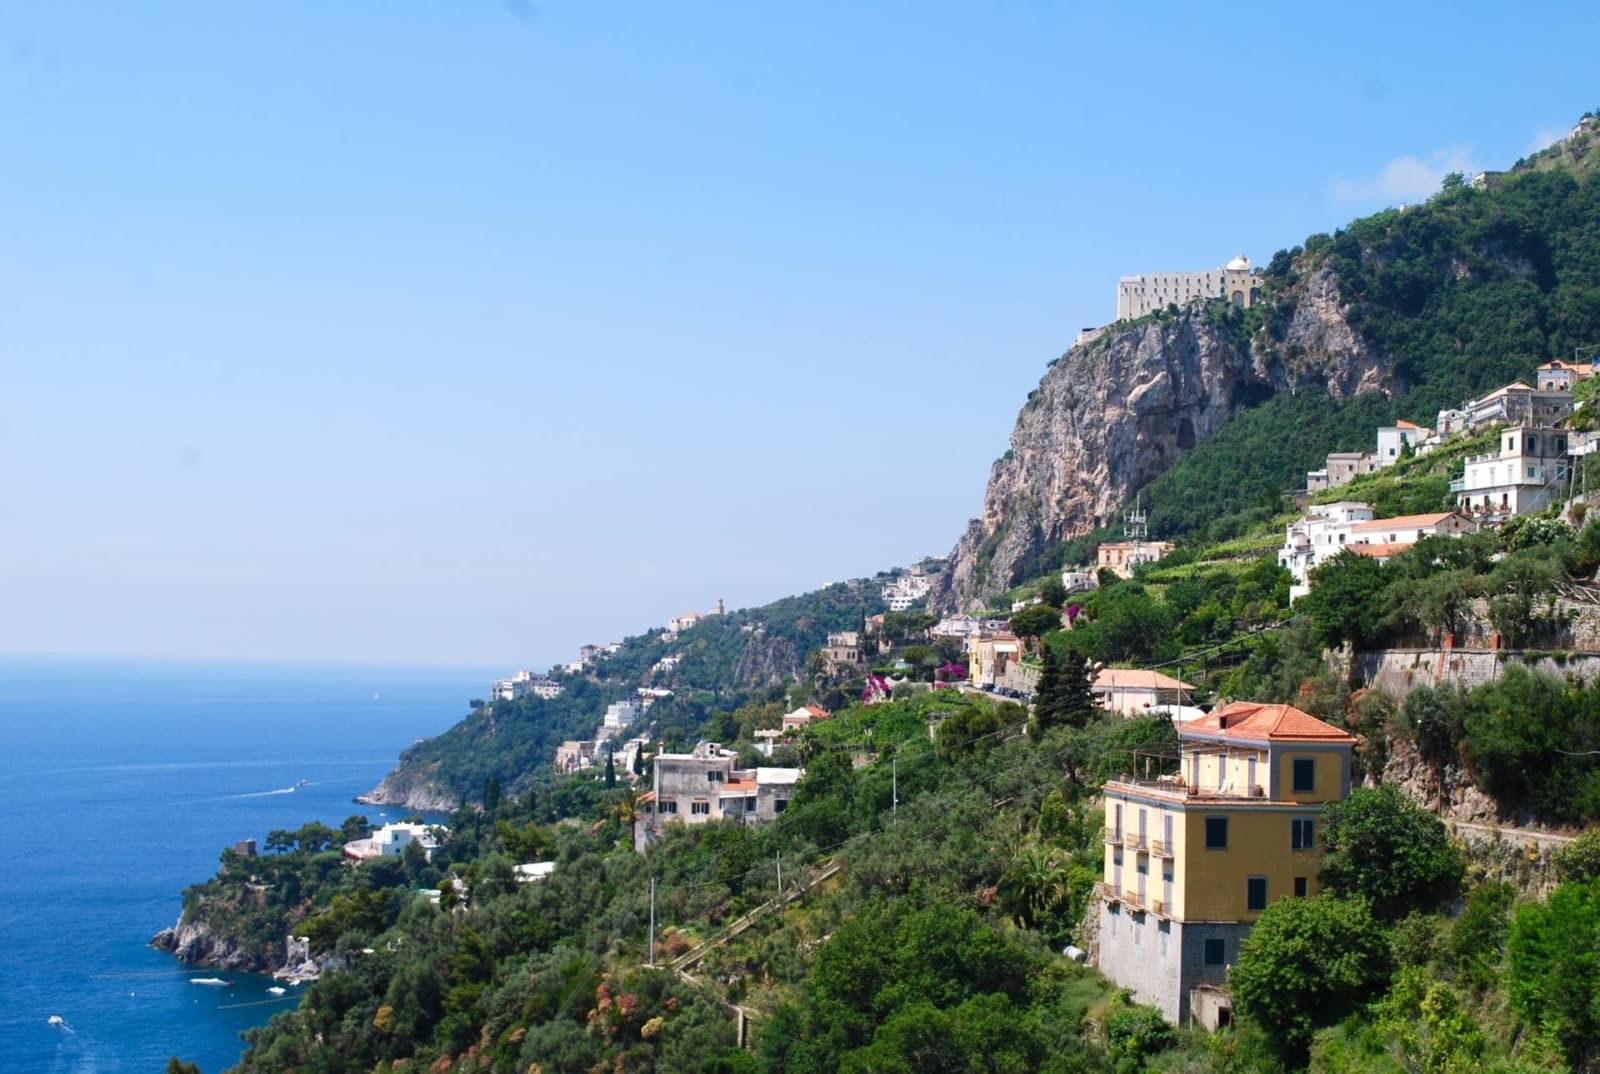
<point x="123" y="782"/>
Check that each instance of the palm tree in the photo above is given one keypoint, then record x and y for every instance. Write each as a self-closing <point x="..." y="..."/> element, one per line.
<point x="1033" y="884"/>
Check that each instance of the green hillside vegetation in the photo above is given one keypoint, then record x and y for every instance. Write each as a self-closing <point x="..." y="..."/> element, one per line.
<point x="965" y="864"/>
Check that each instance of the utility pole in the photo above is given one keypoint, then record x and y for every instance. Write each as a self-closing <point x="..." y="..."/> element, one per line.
<point x="894" y="788"/>
<point x="652" y="962"/>
<point x="780" y="875"/>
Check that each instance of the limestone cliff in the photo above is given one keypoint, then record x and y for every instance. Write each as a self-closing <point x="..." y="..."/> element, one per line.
<point x="192" y="941"/>
<point x="410" y="789"/>
<point x="1114" y="413"/>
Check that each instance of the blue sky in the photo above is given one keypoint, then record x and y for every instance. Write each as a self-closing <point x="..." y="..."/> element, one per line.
<point x="474" y="331"/>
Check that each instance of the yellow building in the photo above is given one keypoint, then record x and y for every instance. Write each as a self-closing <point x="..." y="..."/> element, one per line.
<point x="1192" y="858"/>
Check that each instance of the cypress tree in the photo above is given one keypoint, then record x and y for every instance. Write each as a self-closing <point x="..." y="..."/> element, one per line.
<point x="1047" y="695"/>
<point x="1074" y="701"/>
<point x="611" y="767"/>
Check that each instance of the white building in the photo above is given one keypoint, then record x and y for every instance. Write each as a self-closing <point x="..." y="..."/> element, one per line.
<point x="906" y="590"/>
<point x="1079" y="580"/>
<point x="704" y="786"/>
<point x="1318" y="536"/>
<point x="619" y="714"/>
<point x="1522" y="476"/>
<point x="391" y="840"/>
<point x="522" y="684"/>
<point x="1407" y="530"/>
<point x="1394" y="439"/>
<point x="679" y="624"/>
<point x="1141" y="295"/>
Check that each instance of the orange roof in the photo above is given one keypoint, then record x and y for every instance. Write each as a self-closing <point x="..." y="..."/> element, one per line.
<point x="818" y="712"/>
<point x="1136" y="679"/>
<point x="1379" y="551"/>
<point x="1402" y="522"/>
<point x="744" y="785"/>
<point x="647" y="796"/>
<point x="1249" y="720"/>
<point x="1406" y="425"/>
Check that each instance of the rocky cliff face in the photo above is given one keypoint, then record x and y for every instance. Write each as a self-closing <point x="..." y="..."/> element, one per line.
<point x="1113" y="414"/>
<point x="411" y="791"/>
<point x="194" y="943"/>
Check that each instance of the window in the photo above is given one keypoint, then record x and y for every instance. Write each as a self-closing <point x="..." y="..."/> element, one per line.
<point x="1300" y="886"/>
<point x="1216" y="833"/>
<point x="1305" y="774"/>
<point x="1216" y="952"/>
<point x="700" y="808"/>
<point x="1302" y="834"/>
<point x="1255" y="893"/>
<point x="713" y="777"/>
<point x="1116" y="857"/>
<point x="669" y="806"/>
<point x="780" y="804"/>
<point x="1164" y="933"/>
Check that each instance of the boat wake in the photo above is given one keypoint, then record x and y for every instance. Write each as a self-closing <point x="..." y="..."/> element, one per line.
<point x="259" y="794"/>
<point x="61" y="1023"/>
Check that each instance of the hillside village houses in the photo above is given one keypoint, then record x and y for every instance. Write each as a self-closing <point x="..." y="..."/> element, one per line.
<point x="1329" y="528"/>
<point x="522" y="684"/>
<point x="703" y="786"/>
<point x="906" y="589"/>
<point x="1192" y="858"/>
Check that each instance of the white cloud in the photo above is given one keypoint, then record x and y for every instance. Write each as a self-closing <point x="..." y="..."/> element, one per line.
<point x="1544" y="138"/>
<point x="1406" y="179"/>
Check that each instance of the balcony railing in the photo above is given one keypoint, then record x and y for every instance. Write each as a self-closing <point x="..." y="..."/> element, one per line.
<point x="1133" y="840"/>
<point x="1160" y="848"/>
<point x="1108" y="892"/>
<point x="1113" y="835"/>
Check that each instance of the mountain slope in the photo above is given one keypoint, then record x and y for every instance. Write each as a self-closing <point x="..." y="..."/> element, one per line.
<point x="1425" y="306"/>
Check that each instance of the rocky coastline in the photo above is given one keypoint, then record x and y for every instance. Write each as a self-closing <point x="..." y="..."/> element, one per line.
<point x="193" y="943"/>
<point x="394" y="790"/>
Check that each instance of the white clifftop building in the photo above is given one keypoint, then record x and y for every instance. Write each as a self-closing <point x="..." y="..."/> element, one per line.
<point x="1140" y="295"/>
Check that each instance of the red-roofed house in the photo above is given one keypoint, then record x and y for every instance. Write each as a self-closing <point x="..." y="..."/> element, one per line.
<point x="1194" y="856"/>
<point x="1131" y="691"/>
<point x="1394" y="439"/>
<point x="804" y="715"/>
<point x="1409" y="529"/>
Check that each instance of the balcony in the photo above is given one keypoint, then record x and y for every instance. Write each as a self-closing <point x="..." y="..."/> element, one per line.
<point x="1458" y="485"/>
<point x="1113" y="835"/>
<point x="1160" y="848"/>
<point x="1159" y="908"/>
<point x="1108" y="892"/>
<point x="1133" y="840"/>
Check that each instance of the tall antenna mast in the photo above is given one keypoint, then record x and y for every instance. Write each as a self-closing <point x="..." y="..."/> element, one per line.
<point x="1135" y="524"/>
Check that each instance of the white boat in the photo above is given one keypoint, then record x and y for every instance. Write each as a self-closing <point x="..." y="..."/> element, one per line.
<point x="212" y="982"/>
<point x="277" y="990"/>
<point x="57" y="1020"/>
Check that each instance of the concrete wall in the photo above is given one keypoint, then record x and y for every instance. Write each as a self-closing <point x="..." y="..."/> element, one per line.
<point x="1399" y="671"/>
<point x="1162" y="960"/>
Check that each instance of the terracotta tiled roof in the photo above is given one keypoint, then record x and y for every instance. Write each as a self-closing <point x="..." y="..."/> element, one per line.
<point x="1249" y="720"/>
<point x="1379" y="551"/>
<point x="739" y="786"/>
<point x="818" y="712"/>
<point x="647" y="796"/>
<point x="1403" y="522"/>
<point x="1406" y="425"/>
<point x="1136" y="679"/>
